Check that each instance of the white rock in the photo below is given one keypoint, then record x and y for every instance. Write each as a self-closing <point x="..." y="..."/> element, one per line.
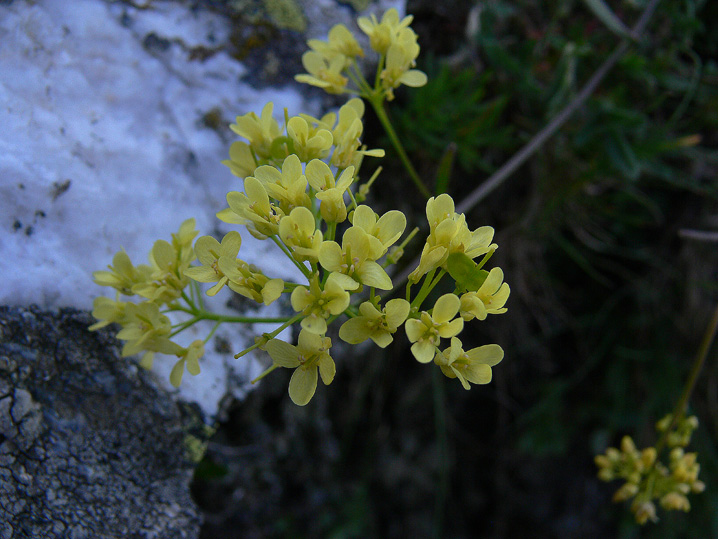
<point x="103" y="147"/>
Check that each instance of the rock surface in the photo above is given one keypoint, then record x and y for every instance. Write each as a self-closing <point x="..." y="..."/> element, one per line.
<point x="89" y="446"/>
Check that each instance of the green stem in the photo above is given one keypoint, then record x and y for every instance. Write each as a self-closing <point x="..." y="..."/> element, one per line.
<point x="215" y="328"/>
<point x="355" y="73"/>
<point x="680" y="409"/>
<point x="265" y="373"/>
<point x="429" y="283"/>
<point x="200" y="314"/>
<point x="184" y="325"/>
<point x="189" y="301"/>
<point x="331" y="231"/>
<point x="441" y="438"/>
<point x="286" y="251"/>
<point x="378" y="105"/>
<point x="268" y="336"/>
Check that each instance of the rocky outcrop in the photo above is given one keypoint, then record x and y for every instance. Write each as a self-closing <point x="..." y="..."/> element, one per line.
<point x="89" y="446"/>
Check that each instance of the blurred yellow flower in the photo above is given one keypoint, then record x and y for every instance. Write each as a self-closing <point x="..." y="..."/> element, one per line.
<point x="259" y="131"/>
<point x="324" y="73"/>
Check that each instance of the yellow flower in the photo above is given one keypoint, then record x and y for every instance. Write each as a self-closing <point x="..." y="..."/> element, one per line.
<point x="146" y="329"/>
<point x="308" y="143"/>
<point x="241" y="160"/>
<point x="449" y="234"/>
<point x="252" y="209"/>
<point x="249" y="281"/>
<point x="346" y="135"/>
<point x="324" y="73"/>
<point x="318" y="304"/>
<point x="123" y="276"/>
<point x="383" y="232"/>
<point x="259" y="131"/>
<point x="189" y="357"/>
<point x="168" y="267"/>
<point x="644" y="511"/>
<point x="107" y="312"/>
<point x="310" y="354"/>
<point x="182" y="242"/>
<point x="427" y="331"/>
<point x="341" y="43"/>
<point x="490" y="298"/>
<point x="354" y="259"/>
<point x="287" y="186"/>
<point x="675" y="501"/>
<point x="299" y="233"/>
<point x="379" y="326"/>
<point x="473" y="366"/>
<point x="400" y="58"/>
<point x="329" y="190"/>
<point x="382" y="34"/>
<point x="209" y="251"/>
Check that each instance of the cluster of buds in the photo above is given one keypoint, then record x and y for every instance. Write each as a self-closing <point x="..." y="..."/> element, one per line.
<point x="332" y="64"/>
<point x="647" y="478"/>
<point x="301" y="191"/>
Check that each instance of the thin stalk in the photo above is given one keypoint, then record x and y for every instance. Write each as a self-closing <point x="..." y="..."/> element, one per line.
<point x="680" y="409"/>
<point x="264" y="373"/>
<point x="441" y="437"/>
<point x="377" y="104"/>
<point x="271" y="335"/>
<point x="200" y="314"/>
<point x="299" y="265"/>
<point x="508" y="168"/>
<point x="214" y="328"/>
<point x="184" y="325"/>
<point x="424" y="290"/>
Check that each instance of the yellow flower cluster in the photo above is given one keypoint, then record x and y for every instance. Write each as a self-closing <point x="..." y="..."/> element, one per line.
<point x="144" y="326"/>
<point x="647" y="478"/>
<point x="301" y="192"/>
<point x="332" y="64"/>
<point x="335" y="137"/>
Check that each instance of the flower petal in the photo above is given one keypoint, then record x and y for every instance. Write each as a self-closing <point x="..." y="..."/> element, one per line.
<point x="327" y="369"/>
<point x="283" y="353"/>
<point x="489" y="354"/>
<point x="303" y="385"/>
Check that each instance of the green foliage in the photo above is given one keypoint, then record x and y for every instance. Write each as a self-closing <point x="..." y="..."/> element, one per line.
<point x="454" y="107"/>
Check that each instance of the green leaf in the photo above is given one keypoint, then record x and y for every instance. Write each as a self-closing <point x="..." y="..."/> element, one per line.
<point x="467" y="275"/>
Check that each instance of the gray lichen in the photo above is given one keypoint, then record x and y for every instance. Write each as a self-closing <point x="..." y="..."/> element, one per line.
<point x="89" y="446"/>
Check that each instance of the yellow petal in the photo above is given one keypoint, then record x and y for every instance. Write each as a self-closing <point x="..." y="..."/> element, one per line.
<point x="282" y="353"/>
<point x="303" y="385"/>
<point x="446" y="308"/>
<point x="355" y="330"/>
<point x="327" y="369"/>
<point x="489" y="354"/>
<point x="177" y="372"/>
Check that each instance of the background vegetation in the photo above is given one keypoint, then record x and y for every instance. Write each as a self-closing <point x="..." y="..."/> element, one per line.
<point x="611" y="293"/>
